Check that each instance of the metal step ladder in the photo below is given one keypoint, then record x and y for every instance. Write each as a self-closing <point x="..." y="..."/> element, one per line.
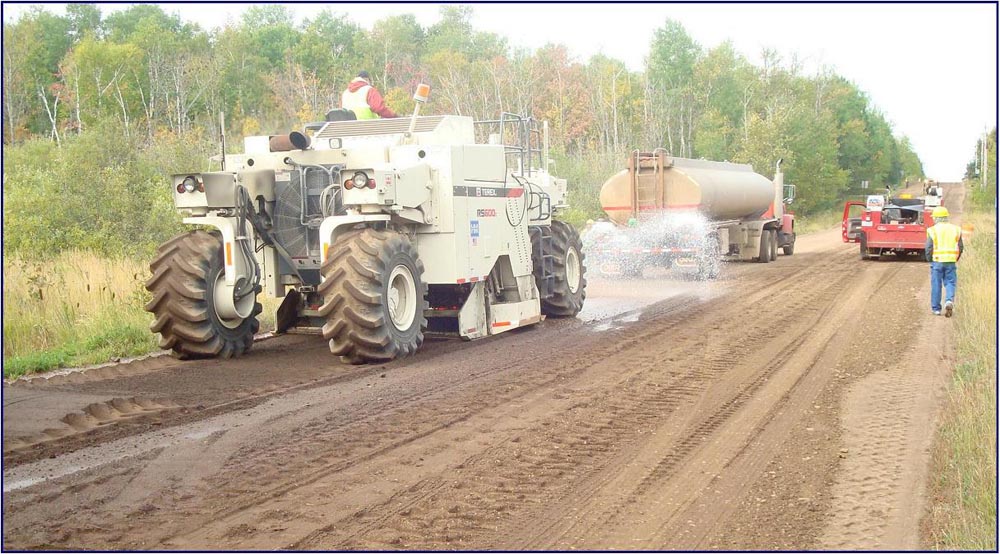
<point x="541" y="243"/>
<point x="647" y="170"/>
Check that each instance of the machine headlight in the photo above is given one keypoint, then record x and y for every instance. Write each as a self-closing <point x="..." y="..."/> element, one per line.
<point x="360" y="179"/>
<point x="190" y="184"/>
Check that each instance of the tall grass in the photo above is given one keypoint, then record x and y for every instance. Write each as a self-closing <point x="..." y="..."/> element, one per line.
<point x="963" y="514"/>
<point x="78" y="308"/>
<point x="75" y="308"/>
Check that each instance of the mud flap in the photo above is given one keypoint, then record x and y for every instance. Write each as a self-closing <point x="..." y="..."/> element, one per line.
<point x="288" y="312"/>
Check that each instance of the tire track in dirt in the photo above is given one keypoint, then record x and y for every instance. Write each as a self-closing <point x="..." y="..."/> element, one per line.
<point x="351" y="438"/>
<point x="685" y="438"/>
<point x="424" y="423"/>
<point x="617" y="347"/>
<point x="889" y="418"/>
<point x="762" y="429"/>
<point x="549" y="467"/>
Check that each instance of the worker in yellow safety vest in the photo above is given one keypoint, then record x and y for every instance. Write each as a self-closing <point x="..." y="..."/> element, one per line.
<point x="943" y="249"/>
<point x="364" y="99"/>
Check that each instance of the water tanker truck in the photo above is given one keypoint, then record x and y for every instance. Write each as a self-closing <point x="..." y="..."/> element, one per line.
<point x="665" y="211"/>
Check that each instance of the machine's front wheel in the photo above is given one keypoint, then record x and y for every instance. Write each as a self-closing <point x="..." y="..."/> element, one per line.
<point x="373" y="297"/>
<point x="187" y="271"/>
<point x="570" y="287"/>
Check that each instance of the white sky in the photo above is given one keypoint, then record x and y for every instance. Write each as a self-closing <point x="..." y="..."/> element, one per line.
<point x="931" y="68"/>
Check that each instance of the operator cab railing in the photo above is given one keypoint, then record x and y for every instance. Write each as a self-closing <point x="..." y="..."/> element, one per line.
<point x="525" y="141"/>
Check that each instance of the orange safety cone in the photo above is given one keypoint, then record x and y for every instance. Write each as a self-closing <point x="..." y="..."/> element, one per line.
<point x="967" y="231"/>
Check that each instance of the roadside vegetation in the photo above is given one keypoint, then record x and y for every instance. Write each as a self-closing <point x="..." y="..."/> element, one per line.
<point x="78" y="308"/>
<point x="819" y="220"/>
<point x="964" y="501"/>
<point x="100" y="108"/>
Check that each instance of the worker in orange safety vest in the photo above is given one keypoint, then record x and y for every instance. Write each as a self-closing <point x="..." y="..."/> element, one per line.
<point x="364" y="99"/>
<point x="943" y="249"/>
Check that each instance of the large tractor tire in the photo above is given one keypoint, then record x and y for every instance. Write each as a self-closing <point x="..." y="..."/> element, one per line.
<point x="570" y="287"/>
<point x="374" y="297"/>
<point x="186" y="271"/>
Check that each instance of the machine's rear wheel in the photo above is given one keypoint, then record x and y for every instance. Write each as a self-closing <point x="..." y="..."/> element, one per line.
<point x="863" y="244"/>
<point x="373" y="297"/>
<point x="774" y="244"/>
<point x="570" y="287"/>
<point x="186" y="272"/>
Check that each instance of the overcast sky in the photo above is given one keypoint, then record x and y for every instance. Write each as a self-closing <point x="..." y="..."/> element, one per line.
<point x="931" y="68"/>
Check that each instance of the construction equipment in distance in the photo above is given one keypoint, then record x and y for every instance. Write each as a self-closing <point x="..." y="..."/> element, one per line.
<point x="893" y="225"/>
<point x="374" y="233"/>
<point x="933" y="194"/>
<point x="691" y="213"/>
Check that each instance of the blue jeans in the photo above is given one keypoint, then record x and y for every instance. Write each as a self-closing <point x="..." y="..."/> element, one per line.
<point x="946" y="274"/>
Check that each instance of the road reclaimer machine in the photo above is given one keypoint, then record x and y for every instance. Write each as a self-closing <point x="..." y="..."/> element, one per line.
<point x="691" y="213"/>
<point x="374" y="233"/>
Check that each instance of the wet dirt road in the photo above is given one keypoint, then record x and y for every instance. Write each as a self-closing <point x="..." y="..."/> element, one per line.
<point x="786" y="406"/>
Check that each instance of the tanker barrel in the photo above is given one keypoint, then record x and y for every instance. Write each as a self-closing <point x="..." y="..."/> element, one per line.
<point x="292" y="141"/>
<point x="719" y="190"/>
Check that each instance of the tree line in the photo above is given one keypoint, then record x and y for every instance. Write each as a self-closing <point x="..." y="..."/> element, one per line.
<point x="983" y="180"/>
<point x="150" y="80"/>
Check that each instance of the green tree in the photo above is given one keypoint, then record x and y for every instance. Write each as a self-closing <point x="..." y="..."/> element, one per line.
<point x="670" y="67"/>
<point x="328" y="49"/>
<point x="33" y="95"/>
<point x="84" y="19"/>
<point x="272" y="31"/>
<point x="721" y="81"/>
<point x="984" y="180"/>
<point x="131" y="25"/>
<point x="393" y="50"/>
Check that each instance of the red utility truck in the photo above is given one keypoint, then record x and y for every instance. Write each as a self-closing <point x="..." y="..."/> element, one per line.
<point x="880" y="227"/>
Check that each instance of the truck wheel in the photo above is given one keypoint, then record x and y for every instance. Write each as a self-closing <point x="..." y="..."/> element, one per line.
<point x="774" y="245"/>
<point x="185" y="272"/>
<point x="631" y="268"/>
<point x="789" y="248"/>
<point x="570" y="288"/>
<point x="764" y="254"/>
<point x="863" y="243"/>
<point x="373" y="297"/>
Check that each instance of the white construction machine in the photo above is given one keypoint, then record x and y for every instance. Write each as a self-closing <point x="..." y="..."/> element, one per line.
<point x="376" y="233"/>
